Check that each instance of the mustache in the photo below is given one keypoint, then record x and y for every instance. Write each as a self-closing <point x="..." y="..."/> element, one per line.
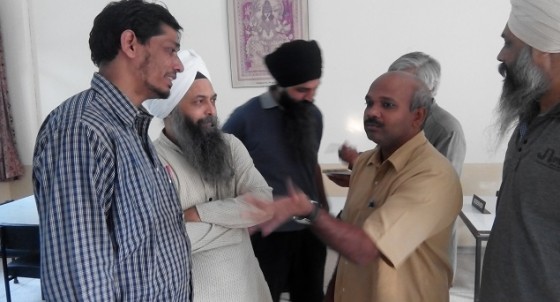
<point x="213" y="120"/>
<point x="503" y="70"/>
<point x="372" y="121"/>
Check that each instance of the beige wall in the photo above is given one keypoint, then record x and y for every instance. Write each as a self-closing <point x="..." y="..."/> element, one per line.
<point x="17" y="189"/>
<point x="480" y="179"/>
<point x="477" y="178"/>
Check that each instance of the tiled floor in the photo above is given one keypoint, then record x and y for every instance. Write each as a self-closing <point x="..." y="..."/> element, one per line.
<point x="28" y="290"/>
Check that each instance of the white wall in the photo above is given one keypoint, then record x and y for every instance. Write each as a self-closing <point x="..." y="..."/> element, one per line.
<point x="14" y="22"/>
<point x="48" y="59"/>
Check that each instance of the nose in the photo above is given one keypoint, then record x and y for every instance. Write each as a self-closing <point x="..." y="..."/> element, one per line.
<point x="372" y="112"/>
<point x="501" y="55"/>
<point x="309" y="96"/>
<point x="211" y="109"/>
<point x="177" y="64"/>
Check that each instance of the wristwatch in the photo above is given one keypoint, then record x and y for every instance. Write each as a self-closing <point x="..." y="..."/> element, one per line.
<point x="309" y="219"/>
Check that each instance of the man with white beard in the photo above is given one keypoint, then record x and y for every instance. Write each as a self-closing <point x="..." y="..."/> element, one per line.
<point x="522" y="257"/>
<point x="211" y="171"/>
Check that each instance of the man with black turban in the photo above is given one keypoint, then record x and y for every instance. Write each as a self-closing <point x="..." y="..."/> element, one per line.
<point x="282" y="130"/>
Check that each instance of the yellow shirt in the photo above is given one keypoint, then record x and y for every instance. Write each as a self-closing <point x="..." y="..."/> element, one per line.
<point x="407" y="205"/>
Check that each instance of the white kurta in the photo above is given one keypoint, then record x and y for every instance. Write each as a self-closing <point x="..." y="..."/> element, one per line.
<point x="223" y="263"/>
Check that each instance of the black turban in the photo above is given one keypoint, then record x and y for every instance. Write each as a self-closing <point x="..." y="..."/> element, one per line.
<point x="295" y="62"/>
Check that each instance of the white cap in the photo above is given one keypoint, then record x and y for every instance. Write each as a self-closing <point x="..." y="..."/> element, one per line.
<point x="537" y="23"/>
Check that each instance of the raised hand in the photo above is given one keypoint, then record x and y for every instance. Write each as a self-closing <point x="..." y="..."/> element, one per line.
<point x="348" y="154"/>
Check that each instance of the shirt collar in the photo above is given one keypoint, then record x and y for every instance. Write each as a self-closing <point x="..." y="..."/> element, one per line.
<point x="400" y="157"/>
<point x="267" y="100"/>
<point x="117" y="102"/>
<point x="554" y="111"/>
<point x="166" y="142"/>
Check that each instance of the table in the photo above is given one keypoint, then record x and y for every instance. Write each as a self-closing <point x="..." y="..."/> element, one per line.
<point x="479" y="225"/>
<point x="20" y="211"/>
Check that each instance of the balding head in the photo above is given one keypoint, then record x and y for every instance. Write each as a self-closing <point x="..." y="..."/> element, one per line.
<point x="397" y="104"/>
<point x="407" y="83"/>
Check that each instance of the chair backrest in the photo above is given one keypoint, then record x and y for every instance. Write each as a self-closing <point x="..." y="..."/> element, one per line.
<point x="21" y="243"/>
<point x="20" y="238"/>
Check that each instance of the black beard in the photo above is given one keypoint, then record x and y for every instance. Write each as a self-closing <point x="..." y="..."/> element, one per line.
<point x="299" y="128"/>
<point x="157" y="93"/>
<point x="204" y="148"/>
<point x="524" y="84"/>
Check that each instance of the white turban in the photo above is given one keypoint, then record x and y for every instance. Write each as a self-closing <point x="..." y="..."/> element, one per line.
<point x="537" y="23"/>
<point x="192" y="63"/>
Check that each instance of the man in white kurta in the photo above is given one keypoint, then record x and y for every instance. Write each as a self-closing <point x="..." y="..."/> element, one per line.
<point x="211" y="171"/>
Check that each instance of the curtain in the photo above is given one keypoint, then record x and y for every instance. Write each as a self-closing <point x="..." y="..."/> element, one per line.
<point x="10" y="165"/>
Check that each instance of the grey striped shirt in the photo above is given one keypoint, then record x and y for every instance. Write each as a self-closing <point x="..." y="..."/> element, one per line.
<point x="110" y="220"/>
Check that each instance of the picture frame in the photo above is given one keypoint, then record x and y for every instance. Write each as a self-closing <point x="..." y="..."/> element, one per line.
<point x="256" y="28"/>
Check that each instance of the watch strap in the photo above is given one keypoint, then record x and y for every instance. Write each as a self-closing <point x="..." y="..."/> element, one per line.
<point x="309" y="219"/>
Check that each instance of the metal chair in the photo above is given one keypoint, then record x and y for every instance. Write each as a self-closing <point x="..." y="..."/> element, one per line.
<point x="20" y="243"/>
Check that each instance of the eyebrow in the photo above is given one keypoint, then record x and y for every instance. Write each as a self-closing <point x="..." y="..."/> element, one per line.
<point x="386" y="98"/>
<point x="203" y="96"/>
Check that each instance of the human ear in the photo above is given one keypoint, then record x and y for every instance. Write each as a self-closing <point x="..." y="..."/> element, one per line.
<point x="129" y="41"/>
<point x="542" y="59"/>
<point x="420" y="115"/>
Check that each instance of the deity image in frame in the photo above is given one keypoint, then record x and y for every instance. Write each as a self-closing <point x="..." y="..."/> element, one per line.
<point x="257" y="28"/>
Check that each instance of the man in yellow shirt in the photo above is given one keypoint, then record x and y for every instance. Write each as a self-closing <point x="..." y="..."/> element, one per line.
<point x="404" y="196"/>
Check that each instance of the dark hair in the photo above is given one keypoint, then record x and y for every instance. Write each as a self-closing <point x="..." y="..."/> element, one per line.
<point x="144" y="19"/>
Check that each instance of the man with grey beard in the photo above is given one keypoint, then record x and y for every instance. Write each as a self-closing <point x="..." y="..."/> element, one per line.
<point x="522" y="257"/>
<point x="211" y="171"/>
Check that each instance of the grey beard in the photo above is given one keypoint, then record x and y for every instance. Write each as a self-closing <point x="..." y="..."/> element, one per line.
<point x="205" y="149"/>
<point x="524" y="84"/>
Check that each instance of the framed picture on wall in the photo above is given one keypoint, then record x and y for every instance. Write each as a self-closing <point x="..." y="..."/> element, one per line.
<point x="257" y="28"/>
